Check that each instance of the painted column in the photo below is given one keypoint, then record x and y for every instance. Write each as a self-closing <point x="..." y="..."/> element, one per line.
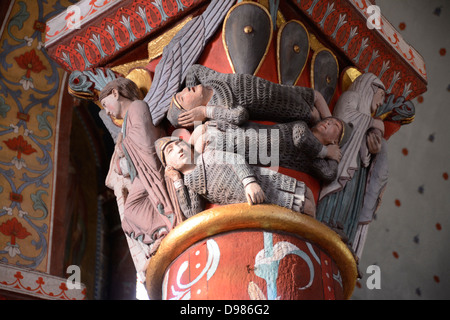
<point x="242" y="252"/>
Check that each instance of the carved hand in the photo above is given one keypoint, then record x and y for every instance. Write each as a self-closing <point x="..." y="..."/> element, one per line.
<point x="188" y="118"/>
<point x="378" y="124"/>
<point x="172" y="173"/>
<point x="254" y="193"/>
<point x="374" y="141"/>
<point x="334" y="152"/>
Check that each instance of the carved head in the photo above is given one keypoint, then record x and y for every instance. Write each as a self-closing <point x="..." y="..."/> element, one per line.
<point x="174" y="152"/>
<point x="191" y="97"/>
<point x="332" y="130"/>
<point x="371" y="92"/>
<point x="125" y="87"/>
<point x="378" y="98"/>
<point x="114" y="92"/>
<point x="187" y="99"/>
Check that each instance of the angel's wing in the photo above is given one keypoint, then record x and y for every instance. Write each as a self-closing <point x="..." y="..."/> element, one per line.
<point x="181" y="53"/>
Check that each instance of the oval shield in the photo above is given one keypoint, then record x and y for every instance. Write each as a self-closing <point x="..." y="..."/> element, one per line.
<point x="324" y="73"/>
<point x="247" y="32"/>
<point x="292" y="51"/>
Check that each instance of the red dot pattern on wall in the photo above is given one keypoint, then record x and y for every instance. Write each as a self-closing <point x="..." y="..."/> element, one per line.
<point x="439" y="54"/>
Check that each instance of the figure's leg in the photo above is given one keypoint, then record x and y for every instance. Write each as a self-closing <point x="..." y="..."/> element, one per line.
<point x="321" y="105"/>
<point x="304" y="200"/>
<point x="310" y="204"/>
<point x="315" y="115"/>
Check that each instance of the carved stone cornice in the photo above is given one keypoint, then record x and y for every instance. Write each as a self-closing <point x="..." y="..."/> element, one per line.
<point x="368" y="41"/>
<point x="106" y="29"/>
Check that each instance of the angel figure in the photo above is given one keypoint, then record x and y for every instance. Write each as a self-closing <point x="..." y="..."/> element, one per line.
<point x="148" y="211"/>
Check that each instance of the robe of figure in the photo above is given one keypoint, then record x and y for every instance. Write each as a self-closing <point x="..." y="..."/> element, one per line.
<point x="148" y="211"/>
<point x="341" y="202"/>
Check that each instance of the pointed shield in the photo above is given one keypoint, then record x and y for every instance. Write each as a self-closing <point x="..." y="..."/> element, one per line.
<point x="247" y="32"/>
<point x="324" y="73"/>
<point x="292" y="51"/>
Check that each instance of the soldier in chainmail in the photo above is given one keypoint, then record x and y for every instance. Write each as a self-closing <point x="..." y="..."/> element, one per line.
<point x="236" y="98"/>
<point x="223" y="177"/>
<point x="289" y="145"/>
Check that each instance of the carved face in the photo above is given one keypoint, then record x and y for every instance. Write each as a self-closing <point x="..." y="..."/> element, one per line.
<point x="178" y="154"/>
<point x="112" y="105"/>
<point x="378" y="100"/>
<point x="192" y="97"/>
<point x="330" y="130"/>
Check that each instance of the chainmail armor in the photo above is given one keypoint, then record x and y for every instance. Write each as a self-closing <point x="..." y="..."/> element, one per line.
<point x="260" y="98"/>
<point x="298" y="148"/>
<point x="221" y="183"/>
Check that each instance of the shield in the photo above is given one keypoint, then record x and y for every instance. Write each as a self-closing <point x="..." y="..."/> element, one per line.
<point x="292" y="51"/>
<point x="247" y="32"/>
<point x="324" y="73"/>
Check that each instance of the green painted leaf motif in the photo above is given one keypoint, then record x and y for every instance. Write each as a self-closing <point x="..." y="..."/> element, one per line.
<point x="4" y="108"/>
<point x="39" y="204"/>
<point x="19" y="18"/>
<point x="44" y="124"/>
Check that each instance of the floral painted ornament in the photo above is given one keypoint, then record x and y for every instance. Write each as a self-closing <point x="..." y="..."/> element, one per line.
<point x="30" y="62"/>
<point x="4" y="108"/>
<point x="14" y="229"/>
<point x="20" y="145"/>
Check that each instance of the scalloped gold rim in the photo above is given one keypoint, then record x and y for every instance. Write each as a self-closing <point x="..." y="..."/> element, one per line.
<point x="240" y="217"/>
